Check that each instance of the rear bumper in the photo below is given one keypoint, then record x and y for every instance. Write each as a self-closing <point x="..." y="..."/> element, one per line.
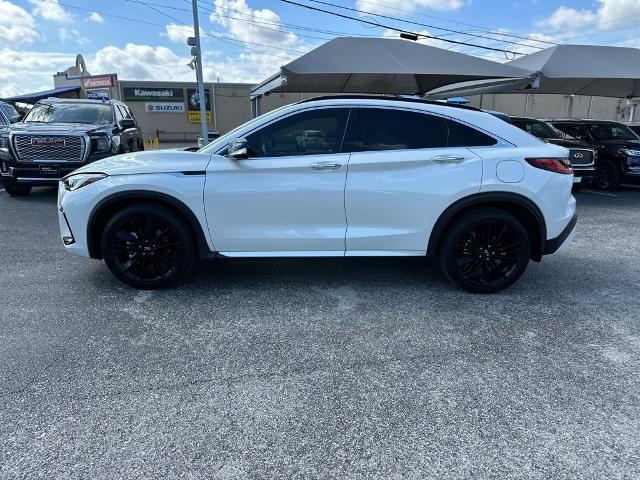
<point x="552" y="245"/>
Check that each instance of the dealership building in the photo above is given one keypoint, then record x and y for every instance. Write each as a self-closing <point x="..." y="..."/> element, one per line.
<point x="171" y="111"/>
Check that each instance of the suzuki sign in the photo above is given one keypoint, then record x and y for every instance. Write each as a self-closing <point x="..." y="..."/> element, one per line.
<point x="164" y="107"/>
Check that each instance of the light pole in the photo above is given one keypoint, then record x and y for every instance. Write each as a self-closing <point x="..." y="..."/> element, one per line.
<point x="196" y="52"/>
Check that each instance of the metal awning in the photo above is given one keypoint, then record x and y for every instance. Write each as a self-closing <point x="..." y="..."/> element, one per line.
<point x="566" y="69"/>
<point x="35" y="96"/>
<point x="381" y="65"/>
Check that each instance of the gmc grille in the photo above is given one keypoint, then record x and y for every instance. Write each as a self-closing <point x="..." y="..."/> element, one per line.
<point x="580" y="157"/>
<point x="33" y="148"/>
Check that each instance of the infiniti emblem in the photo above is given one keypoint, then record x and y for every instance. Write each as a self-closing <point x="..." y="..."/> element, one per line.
<point x="577" y="155"/>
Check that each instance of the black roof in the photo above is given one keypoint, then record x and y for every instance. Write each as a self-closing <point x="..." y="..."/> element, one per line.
<point x="577" y="120"/>
<point x="395" y="99"/>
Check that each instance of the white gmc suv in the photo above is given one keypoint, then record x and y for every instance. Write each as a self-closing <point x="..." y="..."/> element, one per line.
<point x="390" y="177"/>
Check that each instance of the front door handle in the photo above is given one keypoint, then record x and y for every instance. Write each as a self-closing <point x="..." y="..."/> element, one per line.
<point x="447" y="159"/>
<point x="324" y="166"/>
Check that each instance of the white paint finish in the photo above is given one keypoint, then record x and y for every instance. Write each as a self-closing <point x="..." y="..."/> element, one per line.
<point x="510" y="171"/>
<point x="393" y="198"/>
<point x="281" y="207"/>
<point x="276" y="204"/>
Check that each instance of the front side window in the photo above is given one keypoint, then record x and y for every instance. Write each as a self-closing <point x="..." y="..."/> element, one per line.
<point x="611" y="131"/>
<point x="314" y="132"/>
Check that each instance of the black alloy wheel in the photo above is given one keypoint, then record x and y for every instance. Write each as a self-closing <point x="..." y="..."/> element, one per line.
<point x="147" y="246"/>
<point x="607" y="175"/>
<point x="485" y="251"/>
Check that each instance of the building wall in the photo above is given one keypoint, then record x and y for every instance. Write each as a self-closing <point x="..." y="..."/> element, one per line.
<point x="555" y="106"/>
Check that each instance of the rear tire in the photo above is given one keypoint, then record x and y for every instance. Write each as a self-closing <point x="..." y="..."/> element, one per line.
<point x="608" y="175"/>
<point x="14" y="189"/>
<point x="147" y="246"/>
<point x="485" y="251"/>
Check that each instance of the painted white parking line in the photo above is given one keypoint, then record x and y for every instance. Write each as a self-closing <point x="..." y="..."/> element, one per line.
<point x="600" y="193"/>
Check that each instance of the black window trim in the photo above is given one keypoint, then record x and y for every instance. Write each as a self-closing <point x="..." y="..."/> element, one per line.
<point x="296" y="112"/>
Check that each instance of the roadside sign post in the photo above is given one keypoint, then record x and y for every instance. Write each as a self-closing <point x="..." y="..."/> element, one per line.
<point x="198" y="62"/>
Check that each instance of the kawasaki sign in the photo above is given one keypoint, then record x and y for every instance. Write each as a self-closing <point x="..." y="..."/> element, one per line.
<point x="153" y="94"/>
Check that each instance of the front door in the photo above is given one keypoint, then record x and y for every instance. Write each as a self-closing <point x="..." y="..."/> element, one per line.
<point x="287" y="198"/>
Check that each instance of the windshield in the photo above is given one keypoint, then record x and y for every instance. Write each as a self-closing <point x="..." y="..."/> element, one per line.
<point x="537" y="128"/>
<point x="90" y="113"/>
<point x="611" y="131"/>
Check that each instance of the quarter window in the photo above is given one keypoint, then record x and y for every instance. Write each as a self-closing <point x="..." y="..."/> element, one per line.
<point x="308" y="133"/>
<point x="461" y="135"/>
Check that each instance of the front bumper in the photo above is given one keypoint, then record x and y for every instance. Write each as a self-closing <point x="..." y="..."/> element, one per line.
<point x="42" y="173"/>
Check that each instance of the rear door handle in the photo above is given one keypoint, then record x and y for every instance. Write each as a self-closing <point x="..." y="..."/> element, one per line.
<point x="323" y="166"/>
<point x="448" y="159"/>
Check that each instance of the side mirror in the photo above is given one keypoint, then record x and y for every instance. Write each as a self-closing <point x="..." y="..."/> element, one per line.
<point x="127" y="123"/>
<point x="238" y="149"/>
<point x="15" y="118"/>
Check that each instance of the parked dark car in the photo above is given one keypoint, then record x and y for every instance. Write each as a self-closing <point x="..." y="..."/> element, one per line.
<point x="60" y="135"/>
<point x="8" y="114"/>
<point x="583" y="156"/>
<point x="617" y="146"/>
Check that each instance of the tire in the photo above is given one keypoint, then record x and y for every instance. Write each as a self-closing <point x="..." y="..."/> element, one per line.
<point x="608" y="175"/>
<point x="14" y="189"/>
<point x="148" y="246"/>
<point x="467" y="259"/>
<point x="576" y="187"/>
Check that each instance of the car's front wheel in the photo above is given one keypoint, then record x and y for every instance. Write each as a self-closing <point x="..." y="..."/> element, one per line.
<point x="15" y="189"/>
<point x="608" y="175"/>
<point x="485" y="251"/>
<point x="148" y="246"/>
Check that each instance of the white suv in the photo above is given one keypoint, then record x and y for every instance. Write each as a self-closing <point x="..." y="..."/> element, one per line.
<point x="392" y="177"/>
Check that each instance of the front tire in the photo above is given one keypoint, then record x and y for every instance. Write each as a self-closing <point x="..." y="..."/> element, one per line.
<point x="485" y="251"/>
<point x="147" y="246"/>
<point x="608" y="175"/>
<point x="14" y="189"/>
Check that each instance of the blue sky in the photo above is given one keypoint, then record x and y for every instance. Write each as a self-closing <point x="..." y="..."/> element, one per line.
<point x="247" y="40"/>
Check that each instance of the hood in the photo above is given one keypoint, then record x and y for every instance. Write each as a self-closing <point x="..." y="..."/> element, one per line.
<point x="156" y="161"/>
<point x="58" y="128"/>
<point x="635" y="144"/>
<point x="568" y="143"/>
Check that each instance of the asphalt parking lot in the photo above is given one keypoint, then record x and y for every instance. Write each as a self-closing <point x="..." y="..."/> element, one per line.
<point x="351" y="368"/>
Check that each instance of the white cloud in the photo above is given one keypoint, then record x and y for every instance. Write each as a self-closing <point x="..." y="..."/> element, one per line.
<point x="51" y="10"/>
<point x="96" y="17"/>
<point x="258" y="26"/>
<point x="608" y="15"/>
<point x="16" y="25"/>
<point x="29" y="71"/>
<point x="179" y="33"/>
<point x="390" y="7"/>
<point x="71" y="35"/>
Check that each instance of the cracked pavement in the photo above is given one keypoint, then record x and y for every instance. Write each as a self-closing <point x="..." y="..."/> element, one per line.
<point x="330" y="368"/>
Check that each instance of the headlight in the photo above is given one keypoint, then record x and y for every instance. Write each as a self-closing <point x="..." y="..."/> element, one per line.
<point x="631" y="153"/>
<point x="74" y="182"/>
<point x="4" y="143"/>
<point x="103" y="143"/>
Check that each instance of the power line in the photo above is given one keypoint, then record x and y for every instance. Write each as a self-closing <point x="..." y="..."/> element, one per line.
<point x="309" y="7"/>
<point x="420" y="24"/>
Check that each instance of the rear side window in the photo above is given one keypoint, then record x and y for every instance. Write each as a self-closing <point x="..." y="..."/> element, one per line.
<point x="461" y="135"/>
<point x="573" y="131"/>
<point x="387" y="129"/>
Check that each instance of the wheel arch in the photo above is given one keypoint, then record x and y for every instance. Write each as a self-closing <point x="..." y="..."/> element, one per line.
<point x="518" y="205"/>
<point x="108" y="206"/>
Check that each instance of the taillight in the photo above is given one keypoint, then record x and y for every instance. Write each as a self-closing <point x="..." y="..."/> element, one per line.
<point x="557" y="165"/>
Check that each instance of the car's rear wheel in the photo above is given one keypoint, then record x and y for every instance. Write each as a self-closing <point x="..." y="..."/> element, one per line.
<point x="148" y="246"/>
<point x="15" y="189"/>
<point x="485" y="251"/>
<point x="608" y="175"/>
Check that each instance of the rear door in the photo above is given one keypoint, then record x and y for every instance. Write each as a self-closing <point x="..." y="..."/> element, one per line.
<point x="404" y="170"/>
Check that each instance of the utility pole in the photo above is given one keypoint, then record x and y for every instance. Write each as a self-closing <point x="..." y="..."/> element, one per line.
<point x="194" y="42"/>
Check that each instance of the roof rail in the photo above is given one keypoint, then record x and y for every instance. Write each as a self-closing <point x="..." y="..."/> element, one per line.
<point x="395" y="99"/>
